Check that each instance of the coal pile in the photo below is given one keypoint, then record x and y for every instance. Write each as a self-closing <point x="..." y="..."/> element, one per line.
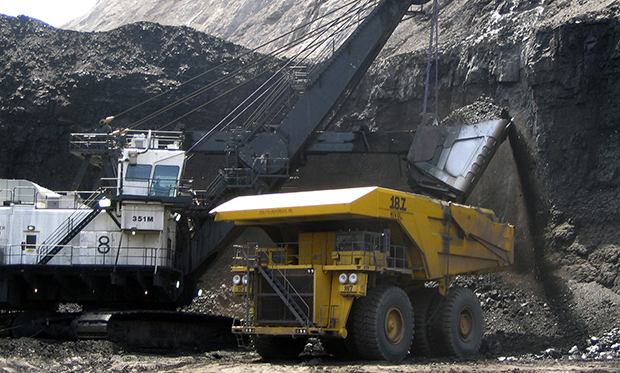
<point x="55" y="82"/>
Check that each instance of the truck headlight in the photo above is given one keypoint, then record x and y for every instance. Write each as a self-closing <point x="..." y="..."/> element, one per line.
<point x="342" y="278"/>
<point x="353" y="278"/>
<point x="236" y="280"/>
<point x="245" y="279"/>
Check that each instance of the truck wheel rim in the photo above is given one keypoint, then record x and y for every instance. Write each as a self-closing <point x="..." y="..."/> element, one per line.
<point x="466" y="324"/>
<point x="394" y="325"/>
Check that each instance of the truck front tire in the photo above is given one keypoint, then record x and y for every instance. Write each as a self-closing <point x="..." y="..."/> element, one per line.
<point x="383" y="324"/>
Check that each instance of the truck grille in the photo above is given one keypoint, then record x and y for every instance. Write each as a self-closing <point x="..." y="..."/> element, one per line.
<point x="271" y="309"/>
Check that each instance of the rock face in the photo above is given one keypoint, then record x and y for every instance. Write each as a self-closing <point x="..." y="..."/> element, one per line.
<point x="55" y="82"/>
<point x="555" y="64"/>
<point x="245" y="22"/>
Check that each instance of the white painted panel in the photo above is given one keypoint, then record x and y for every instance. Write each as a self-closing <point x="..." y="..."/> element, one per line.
<point x="142" y="217"/>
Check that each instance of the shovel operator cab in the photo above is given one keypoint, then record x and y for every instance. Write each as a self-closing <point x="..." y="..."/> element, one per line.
<point x="353" y="267"/>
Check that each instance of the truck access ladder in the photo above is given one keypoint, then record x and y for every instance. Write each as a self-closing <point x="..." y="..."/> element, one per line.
<point x="285" y="295"/>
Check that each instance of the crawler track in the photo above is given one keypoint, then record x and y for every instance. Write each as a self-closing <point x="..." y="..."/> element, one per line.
<point x="139" y="331"/>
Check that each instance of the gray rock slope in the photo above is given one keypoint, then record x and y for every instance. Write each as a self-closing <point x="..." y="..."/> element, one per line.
<point x="245" y="22"/>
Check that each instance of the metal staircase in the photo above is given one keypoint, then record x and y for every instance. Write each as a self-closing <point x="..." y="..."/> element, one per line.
<point x="70" y="228"/>
<point x="285" y="296"/>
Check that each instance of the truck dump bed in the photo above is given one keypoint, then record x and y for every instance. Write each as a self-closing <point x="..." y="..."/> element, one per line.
<point x="436" y="238"/>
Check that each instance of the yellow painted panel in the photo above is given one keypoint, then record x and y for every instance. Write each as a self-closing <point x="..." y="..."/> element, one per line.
<point x="322" y="297"/>
<point x="316" y="247"/>
<point x="454" y="264"/>
<point x="306" y="247"/>
<point x="435" y="227"/>
<point x="340" y="305"/>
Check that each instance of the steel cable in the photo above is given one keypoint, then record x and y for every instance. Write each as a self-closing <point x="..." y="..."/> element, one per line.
<point x="232" y="75"/>
<point x="256" y="49"/>
<point x="434" y="33"/>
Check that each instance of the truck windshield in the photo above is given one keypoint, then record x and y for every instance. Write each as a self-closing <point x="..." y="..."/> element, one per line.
<point x="350" y="241"/>
<point x="360" y="241"/>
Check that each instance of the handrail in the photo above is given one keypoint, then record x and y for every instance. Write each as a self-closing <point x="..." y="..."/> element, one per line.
<point x="85" y="140"/>
<point x="9" y="198"/>
<point x="17" y="196"/>
<point x="75" y="219"/>
<point x="79" y="255"/>
<point x="395" y="257"/>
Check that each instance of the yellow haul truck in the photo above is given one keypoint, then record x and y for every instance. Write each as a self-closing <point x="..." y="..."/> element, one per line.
<point x="365" y="270"/>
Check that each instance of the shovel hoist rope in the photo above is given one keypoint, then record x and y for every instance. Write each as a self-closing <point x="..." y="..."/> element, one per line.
<point x="434" y="34"/>
<point x="317" y="39"/>
<point x="246" y="68"/>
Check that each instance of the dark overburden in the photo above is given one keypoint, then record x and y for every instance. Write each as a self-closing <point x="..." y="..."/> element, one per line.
<point x="54" y="82"/>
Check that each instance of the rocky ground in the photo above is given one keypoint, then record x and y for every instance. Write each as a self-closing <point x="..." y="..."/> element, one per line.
<point x="32" y="355"/>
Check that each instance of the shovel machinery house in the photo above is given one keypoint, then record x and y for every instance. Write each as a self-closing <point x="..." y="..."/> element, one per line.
<point x="97" y="247"/>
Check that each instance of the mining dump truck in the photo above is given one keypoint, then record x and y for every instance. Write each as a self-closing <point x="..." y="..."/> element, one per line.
<point x="366" y="270"/>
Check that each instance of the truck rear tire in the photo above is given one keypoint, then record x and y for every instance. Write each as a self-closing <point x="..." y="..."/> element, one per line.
<point x="383" y="324"/>
<point x="422" y="301"/>
<point x="278" y="348"/>
<point x="457" y="331"/>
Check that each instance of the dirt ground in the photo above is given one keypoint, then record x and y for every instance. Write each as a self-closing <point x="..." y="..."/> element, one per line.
<point x="249" y="362"/>
<point x="90" y="356"/>
<point x="322" y="365"/>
